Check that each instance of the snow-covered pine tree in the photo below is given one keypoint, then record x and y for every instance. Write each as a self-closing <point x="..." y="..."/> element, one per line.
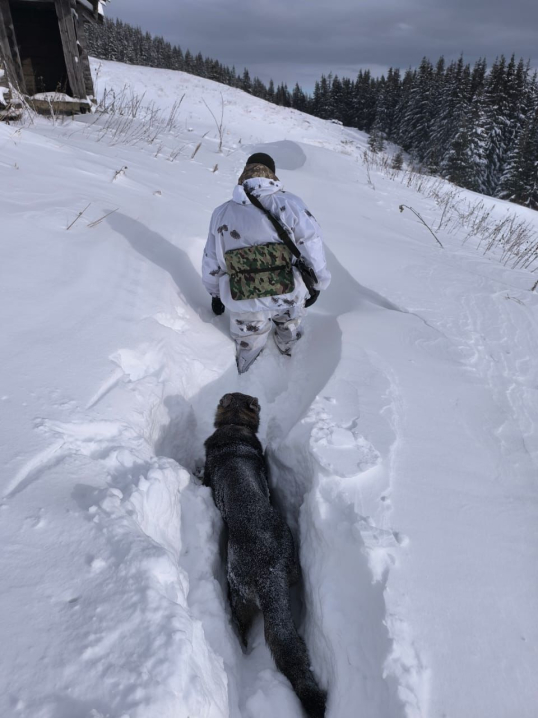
<point x="177" y="63"/>
<point x="519" y="182"/>
<point x="376" y="141"/>
<point x="299" y="99"/>
<point x="415" y="128"/>
<point x="282" y="95"/>
<point x="199" y="68"/>
<point x="387" y="102"/>
<point x="519" y="104"/>
<point x="496" y="117"/>
<point x="402" y="106"/>
<point x="214" y="71"/>
<point x="398" y="160"/>
<point x="347" y="102"/>
<point x="246" y="83"/>
<point x="464" y="162"/>
<point x="146" y="49"/>
<point x="363" y="102"/>
<point x="188" y="62"/>
<point x="259" y="89"/>
<point x="337" y="100"/>
<point x="478" y="77"/>
<point x="326" y="107"/>
<point x="453" y="99"/>
<point x="371" y="108"/>
<point x="433" y="154"/>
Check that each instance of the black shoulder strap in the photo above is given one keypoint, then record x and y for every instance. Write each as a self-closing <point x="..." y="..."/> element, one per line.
<point x="282" y="233"/>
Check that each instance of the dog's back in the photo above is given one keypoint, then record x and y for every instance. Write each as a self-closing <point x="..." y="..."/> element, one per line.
<point x="261" y="555"/>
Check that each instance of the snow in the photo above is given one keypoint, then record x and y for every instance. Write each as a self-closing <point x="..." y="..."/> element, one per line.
<point x="401" y="436"/>
<point x="3" y="90"/>
<point x="55" y="97"/>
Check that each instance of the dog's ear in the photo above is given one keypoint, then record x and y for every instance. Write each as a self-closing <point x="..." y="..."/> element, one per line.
<point x="226" y="400"/>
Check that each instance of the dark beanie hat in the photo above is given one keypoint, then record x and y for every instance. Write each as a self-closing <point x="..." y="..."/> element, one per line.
<point x="260" y="158"/>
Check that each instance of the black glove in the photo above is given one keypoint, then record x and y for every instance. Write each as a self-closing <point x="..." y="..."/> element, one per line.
<point x="314" y="294"/>
<point x="217" y="306"/>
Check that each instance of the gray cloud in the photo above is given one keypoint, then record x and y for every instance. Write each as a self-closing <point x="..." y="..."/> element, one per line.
<point x="297" y="40"/>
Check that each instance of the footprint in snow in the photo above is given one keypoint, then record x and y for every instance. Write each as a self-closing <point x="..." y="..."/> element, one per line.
<point x="341" y="450"/>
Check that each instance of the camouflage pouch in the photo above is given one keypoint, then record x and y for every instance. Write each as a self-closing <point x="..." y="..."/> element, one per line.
<point x="261" y="271"/>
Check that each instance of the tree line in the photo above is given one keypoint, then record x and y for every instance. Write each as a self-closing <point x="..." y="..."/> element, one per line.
<point x="473" y="125"/>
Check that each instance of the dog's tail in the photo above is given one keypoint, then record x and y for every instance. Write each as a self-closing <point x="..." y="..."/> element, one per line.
<point x="289" y="649"/>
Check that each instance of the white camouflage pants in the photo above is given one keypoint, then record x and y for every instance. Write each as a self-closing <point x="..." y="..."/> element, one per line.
<point x="250" y="330"/>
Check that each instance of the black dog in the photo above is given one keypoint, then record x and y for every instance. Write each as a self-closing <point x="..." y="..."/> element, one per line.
<point x="261" y="555"/>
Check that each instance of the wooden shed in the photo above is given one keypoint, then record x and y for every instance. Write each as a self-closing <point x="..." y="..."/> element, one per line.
<point x="43" y="50"/>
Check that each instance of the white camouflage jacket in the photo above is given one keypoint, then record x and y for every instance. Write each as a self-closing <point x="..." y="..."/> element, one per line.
<point x="237" y="223"/>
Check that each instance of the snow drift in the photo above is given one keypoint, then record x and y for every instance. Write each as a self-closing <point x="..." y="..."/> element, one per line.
<point x="401" y="436"/>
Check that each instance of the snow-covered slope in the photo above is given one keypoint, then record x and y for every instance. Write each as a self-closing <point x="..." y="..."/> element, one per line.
<point x="401" y="435"/>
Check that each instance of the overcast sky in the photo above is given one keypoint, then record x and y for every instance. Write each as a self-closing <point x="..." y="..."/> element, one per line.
<point x="297" y="40"/>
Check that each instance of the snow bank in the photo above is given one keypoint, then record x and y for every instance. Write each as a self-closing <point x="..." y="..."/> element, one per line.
<point x="401" y="436"/>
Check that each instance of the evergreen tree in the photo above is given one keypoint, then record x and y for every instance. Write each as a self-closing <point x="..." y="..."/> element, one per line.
<point x="282" y="96"/>
<point x="259" y="89"/>
<point x="199" y="66"/>
<point x="454" y="100"/>
<point x="401" y="107"/>
<point x="478" y="77"/>
<point x="364" y="101"/>
<point x="477" y="128"/>
<point x="465" y="160"/>
<point x="432" y="154"/>
<point x="388" y="99"/>
<point x="323" y="101"/>
<point x="189" y="62"/>
<point x="337" y="99"/>
<point x="298" y="99"/>
<point x="496" y="121"/>
<point x="519" y="182"/>
<point x="398" y="160"/>
<point x="246" y="84"/>
<point x="416" y="122"/>
<point x="346" y="110"/>
<point x="519" y="103"/>
<point x="376" y="141"/>
<point x="177" y="60"/>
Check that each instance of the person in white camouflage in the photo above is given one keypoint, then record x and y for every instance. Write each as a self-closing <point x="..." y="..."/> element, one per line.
<point x="248" y="270"/>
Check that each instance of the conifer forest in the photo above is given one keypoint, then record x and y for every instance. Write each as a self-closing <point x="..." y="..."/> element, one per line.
<point x="474" y="125"/>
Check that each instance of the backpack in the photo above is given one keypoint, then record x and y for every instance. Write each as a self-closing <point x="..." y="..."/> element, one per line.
<point x="264" y="270"/>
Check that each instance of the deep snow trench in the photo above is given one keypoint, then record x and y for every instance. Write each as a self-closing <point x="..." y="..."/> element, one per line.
<point x="401" y="436"/>
<point x="312" y="443"/>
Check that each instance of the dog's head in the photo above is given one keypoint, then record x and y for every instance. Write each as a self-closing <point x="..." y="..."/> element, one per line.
<point x="239" y="409"/>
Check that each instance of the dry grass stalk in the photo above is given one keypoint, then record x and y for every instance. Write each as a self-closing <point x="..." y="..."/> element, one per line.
<point x="79" y="215"/>
<point x="512" y="238"/>
<point x="98" y="221"/>
<point x="219" y="124"/>
<point x="405" y="206"/>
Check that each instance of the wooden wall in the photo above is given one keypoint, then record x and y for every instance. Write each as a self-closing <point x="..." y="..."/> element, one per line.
<point x="8" y="47"/>
<point x="52" y="44"/>
<point x="84" y="59"/>
<point x="64" y="10"/>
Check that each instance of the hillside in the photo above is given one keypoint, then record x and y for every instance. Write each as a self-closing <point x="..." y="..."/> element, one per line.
<point x="401" y="436"/>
